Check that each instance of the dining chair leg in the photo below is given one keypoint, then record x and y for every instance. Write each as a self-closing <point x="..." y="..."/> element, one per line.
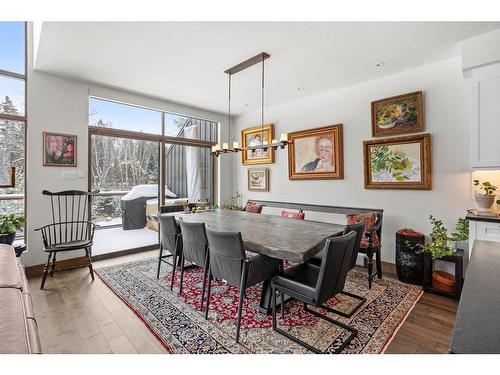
<point x="282" y="303"/>
<point x="240" y="309"/>
<point x="88" y="251"/>
<point x="53" y="265"/>
<point x="182" y="274"/>
<point x="273" y="307"/>
<point x="243" y="282"/>
<point x="378" y="260"/>
<point x="174" y="266"/>
<point x="45" y="271"/>
<point x="159" y="262"/>
<point x="208" y="292"/>
<point x="205" y="269"/>
<point x="369" y="262"/>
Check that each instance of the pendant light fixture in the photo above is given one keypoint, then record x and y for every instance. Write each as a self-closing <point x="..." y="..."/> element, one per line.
<point x="283" y="141"/>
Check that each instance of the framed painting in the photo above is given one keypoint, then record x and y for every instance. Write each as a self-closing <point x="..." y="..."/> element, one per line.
<point x="258" y="179"/>
<point x="256" y="136"/>
<point x="398" y="115"/>
<point x="398" y="163"/>
<point x="59" y="150"/>
<point x="316" y="154"/>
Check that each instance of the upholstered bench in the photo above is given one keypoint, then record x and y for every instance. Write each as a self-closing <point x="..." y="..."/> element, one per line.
<point x="18" y="327"/>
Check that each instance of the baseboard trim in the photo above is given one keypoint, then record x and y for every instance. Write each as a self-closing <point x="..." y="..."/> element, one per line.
<point x="37" y="270"/>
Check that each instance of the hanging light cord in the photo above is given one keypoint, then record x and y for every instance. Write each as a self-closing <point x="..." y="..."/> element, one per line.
<point x="262" y="104"/>
<point x="229" y="110"/>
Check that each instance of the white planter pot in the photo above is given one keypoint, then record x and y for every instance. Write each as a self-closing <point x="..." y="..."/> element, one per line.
<point x="484" y="201"/>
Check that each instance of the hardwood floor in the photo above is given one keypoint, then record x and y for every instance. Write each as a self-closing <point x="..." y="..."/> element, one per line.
<point x="76" y="315"/>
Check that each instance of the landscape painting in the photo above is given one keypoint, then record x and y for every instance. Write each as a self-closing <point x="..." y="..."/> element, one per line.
<point x="258" y="179"/>
<point x="316" y="153"/>
<point x="257" y="136"/>
<point x="59" y="150"/>
<point x="398" y="115"/>
<point x="398" y="163"/>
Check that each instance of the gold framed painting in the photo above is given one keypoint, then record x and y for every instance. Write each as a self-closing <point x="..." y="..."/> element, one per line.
<point x="316" y="153"/>
<point x="59" y="150"/>
<point x="398" y="163"/>
<point x="398" y="115"/>
<point x="258" y="179"/>
<point x="256" y="136"/>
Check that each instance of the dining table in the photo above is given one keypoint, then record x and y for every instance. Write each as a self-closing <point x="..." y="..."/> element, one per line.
<point x="291" y="240"/>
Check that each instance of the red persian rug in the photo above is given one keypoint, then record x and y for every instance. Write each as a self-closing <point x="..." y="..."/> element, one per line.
<point x="181" y="327"/>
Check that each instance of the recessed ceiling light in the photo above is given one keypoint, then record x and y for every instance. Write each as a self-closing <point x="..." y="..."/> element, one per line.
<point x="379" y="65"/>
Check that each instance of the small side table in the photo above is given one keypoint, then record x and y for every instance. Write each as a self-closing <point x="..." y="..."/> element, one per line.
<point x="458" y="259"/>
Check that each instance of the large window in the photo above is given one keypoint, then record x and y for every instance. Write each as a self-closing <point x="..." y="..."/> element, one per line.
<point x="127" y="144"/>
<point x="12" y="115"/>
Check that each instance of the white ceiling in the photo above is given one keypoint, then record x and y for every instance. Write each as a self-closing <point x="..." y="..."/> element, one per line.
<point x="184" y="62"/>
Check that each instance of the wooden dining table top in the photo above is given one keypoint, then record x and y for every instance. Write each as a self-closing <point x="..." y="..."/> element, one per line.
<point x="275" y="236"/>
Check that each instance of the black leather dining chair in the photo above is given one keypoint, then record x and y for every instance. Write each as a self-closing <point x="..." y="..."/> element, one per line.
<point x="171" y="240"/>
<point x="358" y="228"/>
<point x="314" y="285"/>
<point x="194" y="250"/>
<point x="228" y="261"/>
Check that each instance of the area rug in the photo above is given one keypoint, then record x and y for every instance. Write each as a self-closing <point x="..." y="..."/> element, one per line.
<point x="181" y="327"/>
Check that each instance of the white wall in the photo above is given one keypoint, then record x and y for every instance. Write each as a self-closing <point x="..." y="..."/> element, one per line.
<point x="61" y="105"/>
<point x="446" y="108"/>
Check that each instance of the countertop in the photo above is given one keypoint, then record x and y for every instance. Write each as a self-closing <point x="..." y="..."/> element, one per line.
<point x="477" y="325"/>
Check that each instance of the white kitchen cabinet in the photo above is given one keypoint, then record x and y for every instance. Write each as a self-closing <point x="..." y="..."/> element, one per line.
<point x="483" y="230"/>
<point x="486" y="116"/>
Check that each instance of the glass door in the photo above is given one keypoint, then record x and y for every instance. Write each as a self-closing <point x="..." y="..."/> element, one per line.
<point x="126" y="173"/>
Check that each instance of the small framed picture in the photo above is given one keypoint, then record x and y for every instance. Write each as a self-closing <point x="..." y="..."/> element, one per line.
<point x="257" y="136"/>
<point x="59" y="150"/>
<point x="398" y="163"/>
<point x="316" y="154"/>
<point x="258" y="179"/>
<point x="398" y="115"/>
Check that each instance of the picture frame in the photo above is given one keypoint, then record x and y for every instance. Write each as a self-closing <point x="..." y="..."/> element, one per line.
<point x="316" y="153"/>
<point x="7" y="177"/>
<point x="258" y="135"/>
<point x="59" y="150"/>
<point x="398" y="163"/>
<point x="258" y="179"/>
<point x="397" y="115"/>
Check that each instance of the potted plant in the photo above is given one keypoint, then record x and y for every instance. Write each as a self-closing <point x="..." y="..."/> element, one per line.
<point x="485" y="194"/>
<point x="440" y="244"/>
<point x="9" y="224"/>
<point x="461" y="234"/>
<point x="234" y="203"/>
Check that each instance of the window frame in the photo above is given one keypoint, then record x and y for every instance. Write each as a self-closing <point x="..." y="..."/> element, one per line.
<point x="161" y="139"/>
<point x="24" y="120"/>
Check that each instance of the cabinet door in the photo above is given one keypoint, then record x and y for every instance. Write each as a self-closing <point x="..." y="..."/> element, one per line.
<point x="486" y="117"/>
<point x="488" y="231"/>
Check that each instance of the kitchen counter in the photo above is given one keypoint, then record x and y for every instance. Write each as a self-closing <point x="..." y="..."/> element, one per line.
<point x="477" y="325"/>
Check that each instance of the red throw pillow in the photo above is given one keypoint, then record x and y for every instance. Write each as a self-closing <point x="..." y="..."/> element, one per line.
<point x="369" y="220"/>
<point x="293" y="215"/>
<point x="254" y="207"/>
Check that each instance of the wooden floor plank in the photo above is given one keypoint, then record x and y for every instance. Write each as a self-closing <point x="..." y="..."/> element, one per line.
<point x="76" y="315"/>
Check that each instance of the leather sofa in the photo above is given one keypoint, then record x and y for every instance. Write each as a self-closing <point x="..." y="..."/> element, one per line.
<point x="18" y="327"/>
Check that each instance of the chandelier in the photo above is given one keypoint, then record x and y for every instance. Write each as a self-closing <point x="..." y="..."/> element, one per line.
<point x="275" y="144"/>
